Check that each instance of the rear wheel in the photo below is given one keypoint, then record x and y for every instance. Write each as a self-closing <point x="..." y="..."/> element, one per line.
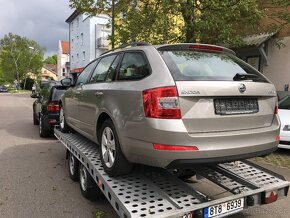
<point x="73" y="165"/>
<point x="35" y="120"/>
<point x="62" y="122"/>
<point x="43" y="130"/>
<point x="112" y="157"/>
<point x="88" y="186"/>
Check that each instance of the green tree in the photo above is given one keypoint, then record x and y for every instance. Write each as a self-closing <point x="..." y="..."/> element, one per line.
<point x="19" y="56"/>
<point x="51" y="59"/>
<point x="206" y="21"/>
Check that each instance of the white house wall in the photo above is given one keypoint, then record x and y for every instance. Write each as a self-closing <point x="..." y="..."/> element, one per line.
<point x="278" y="69"/>
<point x="86" y="29"/>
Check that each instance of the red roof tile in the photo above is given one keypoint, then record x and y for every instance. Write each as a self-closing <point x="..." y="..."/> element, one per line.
<point x="65" y="47"/>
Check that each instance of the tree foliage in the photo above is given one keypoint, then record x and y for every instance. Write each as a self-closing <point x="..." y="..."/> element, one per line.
<point x="19" y="56"/>
<point x="205" y="21"/>
<point x="51" y="59"/>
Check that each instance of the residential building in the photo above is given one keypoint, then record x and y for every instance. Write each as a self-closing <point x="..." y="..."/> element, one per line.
<point x="88" y="37"/>
<point x="263" y="53"/>
<point x="48" y="72"/>
<point x="63" y="60"/>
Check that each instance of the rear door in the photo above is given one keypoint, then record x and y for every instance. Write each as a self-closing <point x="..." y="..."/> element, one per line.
<point x="219" y="92"/>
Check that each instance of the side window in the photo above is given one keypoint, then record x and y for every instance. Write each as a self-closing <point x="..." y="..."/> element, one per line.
<point x="133" y="66"/>
<point x="113" y="68"/>
<point x="83" y="77"/>
<point x="102" y="68"/>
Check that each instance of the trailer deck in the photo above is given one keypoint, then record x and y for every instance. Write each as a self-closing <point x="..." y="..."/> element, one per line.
<point x="154" y="192"/>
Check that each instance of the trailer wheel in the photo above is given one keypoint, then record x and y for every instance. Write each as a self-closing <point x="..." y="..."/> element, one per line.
<point x="73" y="165"/>
<point x="112" y="157"/>
<point x="89" y="188"/>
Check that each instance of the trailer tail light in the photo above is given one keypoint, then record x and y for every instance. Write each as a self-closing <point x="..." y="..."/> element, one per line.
<point x="270" y="197"/>
<point x="161" y="103"/>
<point x="174" y="147"/>
<point x="53" y="106"/>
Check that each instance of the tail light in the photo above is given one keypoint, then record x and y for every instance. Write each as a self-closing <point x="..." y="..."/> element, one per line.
<point x="206" y="48"/>
<point x="276" y="108"/>
<point x="174" y="147"/>
<point x="270" y="197"/>
<point x="53" y="106"/>
<point x="161" y="103"/>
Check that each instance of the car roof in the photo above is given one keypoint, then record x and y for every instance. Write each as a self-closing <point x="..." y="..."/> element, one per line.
<point x="176" y="46"/>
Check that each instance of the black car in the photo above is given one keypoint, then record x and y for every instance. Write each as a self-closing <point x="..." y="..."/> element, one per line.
<point x="46" y="108"/>
<point x="3" y="89"/>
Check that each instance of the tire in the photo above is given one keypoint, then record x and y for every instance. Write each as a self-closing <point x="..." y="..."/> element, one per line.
<point x="112" y="157"/>
<point x="73" y="166"/>
<point x="43" y="130"/>
<point x="88" y="186"/>
<point x="62" y="122"/>
<point x="35" y="120"/>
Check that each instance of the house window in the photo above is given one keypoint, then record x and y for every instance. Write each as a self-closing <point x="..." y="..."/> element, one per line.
<point x="77" y="56"/>
<point x="82" y="39"/>
<point x="84" y="55"/>
<point x="63" y="74"/>
<point x="72" y="26"/>
<point x="63" y="70"/>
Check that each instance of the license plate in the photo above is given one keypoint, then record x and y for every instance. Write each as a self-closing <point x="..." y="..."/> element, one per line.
<point x="231" y="106"/>
<point x="224" y="208"/>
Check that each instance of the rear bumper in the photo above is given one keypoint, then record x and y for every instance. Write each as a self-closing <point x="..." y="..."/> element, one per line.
<point x="50" y="120"/>
<point x="213" y="147"/>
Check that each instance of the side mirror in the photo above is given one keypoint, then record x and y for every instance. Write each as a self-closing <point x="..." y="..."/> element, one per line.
<point x="66" y="82"/>
<point x="34" y="95"/>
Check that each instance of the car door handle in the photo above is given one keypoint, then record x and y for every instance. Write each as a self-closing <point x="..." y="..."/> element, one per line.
<point x="98" y="93"/>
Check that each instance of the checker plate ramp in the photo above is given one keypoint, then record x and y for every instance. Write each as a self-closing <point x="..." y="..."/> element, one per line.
<point x="153" y="192"/>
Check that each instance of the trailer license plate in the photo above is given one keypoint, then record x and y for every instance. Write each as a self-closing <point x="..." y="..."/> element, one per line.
<point x="224" y="208"/>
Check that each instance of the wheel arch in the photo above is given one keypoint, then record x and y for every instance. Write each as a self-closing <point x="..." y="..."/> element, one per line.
<point x="101" y="119"/>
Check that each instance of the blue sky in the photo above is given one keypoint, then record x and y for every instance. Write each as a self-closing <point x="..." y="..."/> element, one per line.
<point x="40" y="20"/>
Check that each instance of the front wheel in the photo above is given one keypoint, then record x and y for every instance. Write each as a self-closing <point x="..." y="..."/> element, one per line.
<point x="112" y="157"/>
<point x="62" y="122"/>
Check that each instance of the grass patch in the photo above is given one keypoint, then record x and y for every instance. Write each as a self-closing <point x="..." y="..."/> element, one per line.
<point x="100" y="214"/>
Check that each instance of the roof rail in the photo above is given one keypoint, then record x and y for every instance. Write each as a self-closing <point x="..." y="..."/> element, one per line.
<point x="130" y="44"/>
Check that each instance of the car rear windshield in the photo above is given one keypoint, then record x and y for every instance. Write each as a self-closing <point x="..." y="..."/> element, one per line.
<point x="284" y="103"/>
<point x="57" y="92"/>
<point x="188" y="65"/>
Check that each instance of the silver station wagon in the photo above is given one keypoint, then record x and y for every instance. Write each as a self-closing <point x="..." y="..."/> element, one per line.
<point x="172" y="106"/>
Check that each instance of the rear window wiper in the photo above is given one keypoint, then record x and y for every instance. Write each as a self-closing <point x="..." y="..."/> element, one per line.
<point x="239" y="77"/>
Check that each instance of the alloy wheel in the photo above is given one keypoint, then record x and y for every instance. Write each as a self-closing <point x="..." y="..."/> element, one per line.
<point x="108" y="147"/>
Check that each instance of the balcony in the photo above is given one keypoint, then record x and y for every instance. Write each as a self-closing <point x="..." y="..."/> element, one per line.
<point x="102" y="43"/>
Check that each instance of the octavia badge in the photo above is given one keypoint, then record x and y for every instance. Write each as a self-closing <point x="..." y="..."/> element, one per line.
<point x="242" y="88"/>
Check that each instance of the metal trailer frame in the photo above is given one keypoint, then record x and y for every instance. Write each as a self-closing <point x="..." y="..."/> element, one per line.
<point x="154" y="192"/>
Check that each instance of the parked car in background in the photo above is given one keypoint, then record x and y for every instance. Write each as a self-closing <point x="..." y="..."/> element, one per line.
<point x="46" y="108"/>
<point x="172" y="106"/>
<point x="284" y="114"/>
<point x="3" y="88"/>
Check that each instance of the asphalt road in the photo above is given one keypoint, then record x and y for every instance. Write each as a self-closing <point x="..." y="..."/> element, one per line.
<point x="34" y="179"/>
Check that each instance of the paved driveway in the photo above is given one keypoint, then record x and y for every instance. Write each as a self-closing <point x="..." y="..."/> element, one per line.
<point x="34" y="179"/>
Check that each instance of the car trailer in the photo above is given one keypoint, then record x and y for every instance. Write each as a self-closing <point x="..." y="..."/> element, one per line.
<point x="154" y="192"/>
